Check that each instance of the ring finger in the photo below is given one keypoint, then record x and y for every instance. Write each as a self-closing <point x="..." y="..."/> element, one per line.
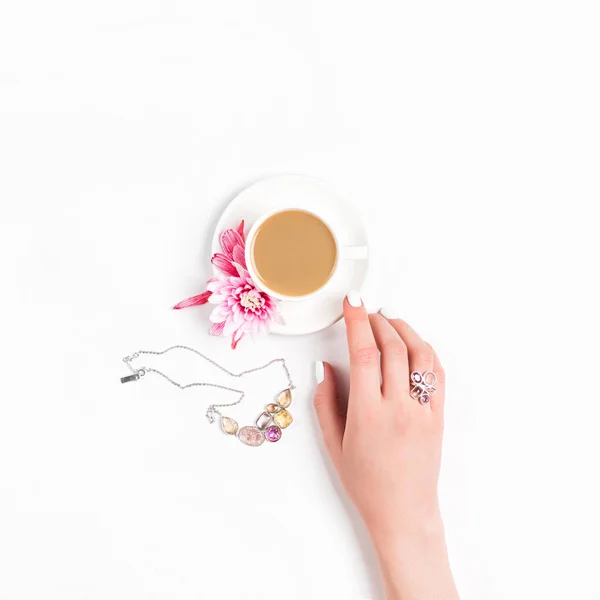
<point x="420" y="358"/>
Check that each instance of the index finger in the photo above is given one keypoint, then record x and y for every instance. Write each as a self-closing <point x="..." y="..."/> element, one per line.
<point x="365" y="380"/>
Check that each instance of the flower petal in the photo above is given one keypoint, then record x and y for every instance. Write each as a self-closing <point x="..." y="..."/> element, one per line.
<point x="240" y="229"/>
<point x="236" y="338"/>
<point x="215" y="284"/>
<point x="230" y="327"/>
<point x="217" y="328"/>
<point x="240" y="270"/>
<point x="194" y="300"/>
<point x="217" y="298"/>
<point x="230" y="238"/>
<point x="224" y="264"/>
<point x="218" y="315"/>
<point x="239" y="256"/>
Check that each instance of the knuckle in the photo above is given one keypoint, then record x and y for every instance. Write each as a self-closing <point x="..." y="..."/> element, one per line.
<point x="423" y="356"/>
<point x="376" y="318"/>
<point x="397" y="348"/>
<point x="366" y="355"/>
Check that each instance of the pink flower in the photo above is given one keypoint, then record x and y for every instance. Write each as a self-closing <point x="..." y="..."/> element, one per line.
<point x="241" y="307"/>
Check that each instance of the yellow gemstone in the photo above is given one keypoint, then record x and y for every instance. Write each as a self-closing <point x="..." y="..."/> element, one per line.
<point x="285" y="398"/>
<point x="283" y="418"/>
<point x="272" y="408"/>
<point x="229" y="425"/>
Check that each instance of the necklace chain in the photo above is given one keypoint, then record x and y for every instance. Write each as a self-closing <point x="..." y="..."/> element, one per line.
<point x="213" y="408"/>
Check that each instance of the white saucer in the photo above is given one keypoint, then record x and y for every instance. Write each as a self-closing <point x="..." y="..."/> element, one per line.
<point x="297" y="191"/>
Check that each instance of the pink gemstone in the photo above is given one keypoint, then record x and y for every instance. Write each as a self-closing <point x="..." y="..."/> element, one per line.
<point x="273" y="433"/>
<point x="251" y="436"/>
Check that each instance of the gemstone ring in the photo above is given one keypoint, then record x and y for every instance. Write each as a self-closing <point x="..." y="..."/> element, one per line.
<point x="423" y="386"/>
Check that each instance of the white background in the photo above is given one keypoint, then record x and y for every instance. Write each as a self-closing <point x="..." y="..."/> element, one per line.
<point x="467" y="134"/>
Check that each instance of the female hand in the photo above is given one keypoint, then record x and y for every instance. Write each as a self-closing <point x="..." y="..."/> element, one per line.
<point x="386" y="448"/>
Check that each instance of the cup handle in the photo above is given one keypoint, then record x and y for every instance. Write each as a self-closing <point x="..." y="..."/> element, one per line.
<point x="354" y="252"/>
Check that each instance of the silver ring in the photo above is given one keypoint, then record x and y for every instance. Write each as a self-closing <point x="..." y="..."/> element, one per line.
<point x="423" y="385"/>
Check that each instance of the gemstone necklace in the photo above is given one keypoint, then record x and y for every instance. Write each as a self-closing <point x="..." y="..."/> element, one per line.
<point x="268" y="425"/>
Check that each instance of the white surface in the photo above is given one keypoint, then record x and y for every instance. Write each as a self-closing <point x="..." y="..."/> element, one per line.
<point x="323" y="308"/>
<point x="466" y="133"/>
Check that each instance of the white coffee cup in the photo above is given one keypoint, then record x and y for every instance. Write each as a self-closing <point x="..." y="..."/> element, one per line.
<point x="343" y="253"/>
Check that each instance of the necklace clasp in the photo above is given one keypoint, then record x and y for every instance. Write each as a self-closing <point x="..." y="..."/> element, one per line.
<point x="129" y="378"/>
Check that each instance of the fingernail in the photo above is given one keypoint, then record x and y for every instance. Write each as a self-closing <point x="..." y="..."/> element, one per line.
<point x="320" y="371"/>
<point x="354" y="299"/>
<point x="388" y="313"/>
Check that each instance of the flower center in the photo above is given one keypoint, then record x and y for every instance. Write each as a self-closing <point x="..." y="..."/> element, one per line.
<point x="252" y="300"/>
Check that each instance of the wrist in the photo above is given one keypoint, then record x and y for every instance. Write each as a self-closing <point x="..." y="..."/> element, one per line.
<point x="419" y="527"/>
<point x="414" y="560"/>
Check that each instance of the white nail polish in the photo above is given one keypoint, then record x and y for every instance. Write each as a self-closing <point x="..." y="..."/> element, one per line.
<point x="320" y="371"/>
<point x="389" y="313"/>
<point x="354" y="299"/>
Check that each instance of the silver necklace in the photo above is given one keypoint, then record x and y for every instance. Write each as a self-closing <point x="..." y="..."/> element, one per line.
<point x="269" y="424"/>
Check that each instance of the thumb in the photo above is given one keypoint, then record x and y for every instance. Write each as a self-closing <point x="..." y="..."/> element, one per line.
<point x="331" y="418"/>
